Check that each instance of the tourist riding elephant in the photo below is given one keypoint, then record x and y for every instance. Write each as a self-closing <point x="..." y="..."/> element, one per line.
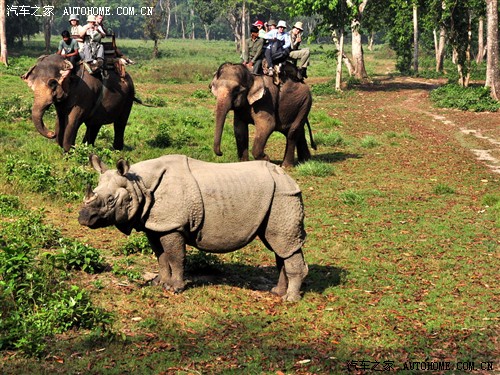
<point x="79" y="97"/>
<point x="215" y="207"/>
<point x="257" y="100"/>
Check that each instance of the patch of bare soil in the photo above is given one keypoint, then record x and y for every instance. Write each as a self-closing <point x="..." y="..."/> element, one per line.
<point x="479" y="133"/>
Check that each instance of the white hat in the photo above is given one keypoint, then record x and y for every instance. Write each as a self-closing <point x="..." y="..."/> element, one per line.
<point x="281" y="24"/>
<point x="298" y="25"/>
<point x="91" y="18"/>
<point x="73" y="17"/>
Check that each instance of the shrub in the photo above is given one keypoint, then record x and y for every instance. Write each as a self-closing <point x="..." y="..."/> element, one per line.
<point x="315" y="168"/>
<point x="370" y="142"/>
<point x="333" y="139"/>
<point x="14" y="108"/>
<point x="162" y="138"/>
<point x="35" y="301"/>
<point x="442" y="189"/>
<point x="78" y="256"/>
<point x="351" y="198"/>
<point x="201" y="94"/>
<point x="474" y="98"/>
<point x="136" y="243"/>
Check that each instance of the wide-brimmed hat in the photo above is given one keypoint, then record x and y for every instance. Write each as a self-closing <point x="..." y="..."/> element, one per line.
<point x="91" y="18"/>
<point x="281" y="24"/>
<point x="258" y="23"/>
<point x="271" y="22"/>
<point x="298" y="25"/>
<point x="73" y="17"/>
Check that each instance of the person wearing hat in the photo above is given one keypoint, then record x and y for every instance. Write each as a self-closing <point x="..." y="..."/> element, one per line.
<point x="93" y="51"/>
<point x="301" y="55"/>
<point x="260" y="25"/>
<point x="75" y="30"/>
<point x="278" y="46"/>
<point x="252" y="56"/>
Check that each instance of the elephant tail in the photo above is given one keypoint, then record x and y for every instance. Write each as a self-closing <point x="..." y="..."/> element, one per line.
<point x="313" y="144"/>
<point x="139" y="101"/>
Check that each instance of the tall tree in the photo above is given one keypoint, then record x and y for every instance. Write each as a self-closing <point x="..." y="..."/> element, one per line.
<point x="492" y="70"/>
<point x="3" y="35"/>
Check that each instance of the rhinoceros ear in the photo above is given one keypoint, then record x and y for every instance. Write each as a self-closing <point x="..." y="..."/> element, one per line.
<point x="122" y="166"/>
<point x="97" y="163"/>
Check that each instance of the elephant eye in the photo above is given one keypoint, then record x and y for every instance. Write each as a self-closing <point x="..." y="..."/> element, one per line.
<point x="111" y="200"/>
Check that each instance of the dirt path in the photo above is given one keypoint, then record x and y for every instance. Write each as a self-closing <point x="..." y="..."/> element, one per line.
<point x="478" y="132"/>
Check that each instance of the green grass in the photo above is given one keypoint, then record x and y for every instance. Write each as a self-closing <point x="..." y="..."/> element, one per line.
<point x="402" y="237"/>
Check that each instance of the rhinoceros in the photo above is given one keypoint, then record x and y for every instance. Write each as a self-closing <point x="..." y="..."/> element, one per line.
<point x="214" y="207"/>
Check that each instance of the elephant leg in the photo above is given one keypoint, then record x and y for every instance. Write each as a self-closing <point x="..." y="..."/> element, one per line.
<point x="71" y="130"/>
<point x="263" y="129"/>
<point x="171" y="261"/>
<point x="119" y="127"/>
<point x="303" y="152"/>
<point x="91" y="133"/>
<point x="241" y="135"/>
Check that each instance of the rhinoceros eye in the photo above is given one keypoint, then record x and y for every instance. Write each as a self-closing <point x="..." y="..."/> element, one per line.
<point x="111" y="200"/>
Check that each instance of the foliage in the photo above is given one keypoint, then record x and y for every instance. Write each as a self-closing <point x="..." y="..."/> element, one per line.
<point x="136" y="243"/>
<point x="396" y="272"/>
<point x="330" y="139"/>
<point x="14" y="107"/>
<point x="441" y="189"/>
<point x="474" y="98"/>
<point x="36" y="302"/>
<point x="78" y="256"/>
<point x="315" y="168"/>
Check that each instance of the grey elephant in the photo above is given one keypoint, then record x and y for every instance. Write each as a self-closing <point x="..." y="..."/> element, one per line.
<point x="257" y="100"/>
<point x="79" y="97"/>
<point x="214" y="207"/>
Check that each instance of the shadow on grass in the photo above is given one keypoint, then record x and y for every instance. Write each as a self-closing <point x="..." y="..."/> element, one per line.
<point x="319" y="278"/>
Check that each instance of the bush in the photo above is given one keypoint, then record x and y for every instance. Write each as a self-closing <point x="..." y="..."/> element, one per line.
<point x="136" y="243"/>
<point x="315" y="168"/>
<point x="333" y="139"/>
<point x="35" y="300"/>
<point x="474" y="98"/>
<point x="351" y="198"/>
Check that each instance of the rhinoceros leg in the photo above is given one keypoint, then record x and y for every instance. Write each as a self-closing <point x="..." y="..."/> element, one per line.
<point x="170" y="250"/>
<point x="295" y="271"/>
<point x="280" y="288"/>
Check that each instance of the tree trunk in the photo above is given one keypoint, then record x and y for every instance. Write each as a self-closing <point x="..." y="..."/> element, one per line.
<point x="3" y="35"/>
<point x="46" y="33"/>
<point x="357" y="47"/>
<point x="183" y="29"/>
<point x="338" y="76"/>
<point x="440" y="50"/>
<point x="415" y="38"/>
<point x="169" y="16"/>
<point x="480" y="41"/>
<point x="207" y="31"/>
<point x="338" y="39"/>
<point x="371" y="41"/>
<point x="492" y="70"/>
<point x="191" y="11"/>
<point x="243" y="26"/>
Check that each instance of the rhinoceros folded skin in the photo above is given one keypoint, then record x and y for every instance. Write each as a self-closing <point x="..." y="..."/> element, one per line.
<point x="214" y="207"/>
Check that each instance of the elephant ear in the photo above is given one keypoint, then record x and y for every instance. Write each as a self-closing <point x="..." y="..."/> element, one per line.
<point x="257" y="90"/>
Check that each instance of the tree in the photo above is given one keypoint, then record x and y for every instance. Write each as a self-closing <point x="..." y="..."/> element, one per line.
<point x="492" y="70"/>
<point x="3" y="35"/>
<point x="153" y="22"/>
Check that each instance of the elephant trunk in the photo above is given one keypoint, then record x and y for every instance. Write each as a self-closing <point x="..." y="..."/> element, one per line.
<point x="37" y="116"/>
<point x="221" y="110"/>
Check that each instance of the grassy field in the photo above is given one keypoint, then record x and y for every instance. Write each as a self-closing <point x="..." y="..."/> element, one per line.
<point x="403" y="231"/>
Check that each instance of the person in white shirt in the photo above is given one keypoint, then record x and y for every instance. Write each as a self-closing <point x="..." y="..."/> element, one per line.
<point x="278" y="47"/>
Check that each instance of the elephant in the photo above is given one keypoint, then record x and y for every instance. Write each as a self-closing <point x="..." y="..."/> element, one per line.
<point x="79" y="97"/>
<point x="214" y="207"/>
<point x="256" y="100"/>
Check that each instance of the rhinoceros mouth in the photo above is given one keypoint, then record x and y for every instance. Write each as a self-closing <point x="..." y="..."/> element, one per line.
<point x="91" y="220"/>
